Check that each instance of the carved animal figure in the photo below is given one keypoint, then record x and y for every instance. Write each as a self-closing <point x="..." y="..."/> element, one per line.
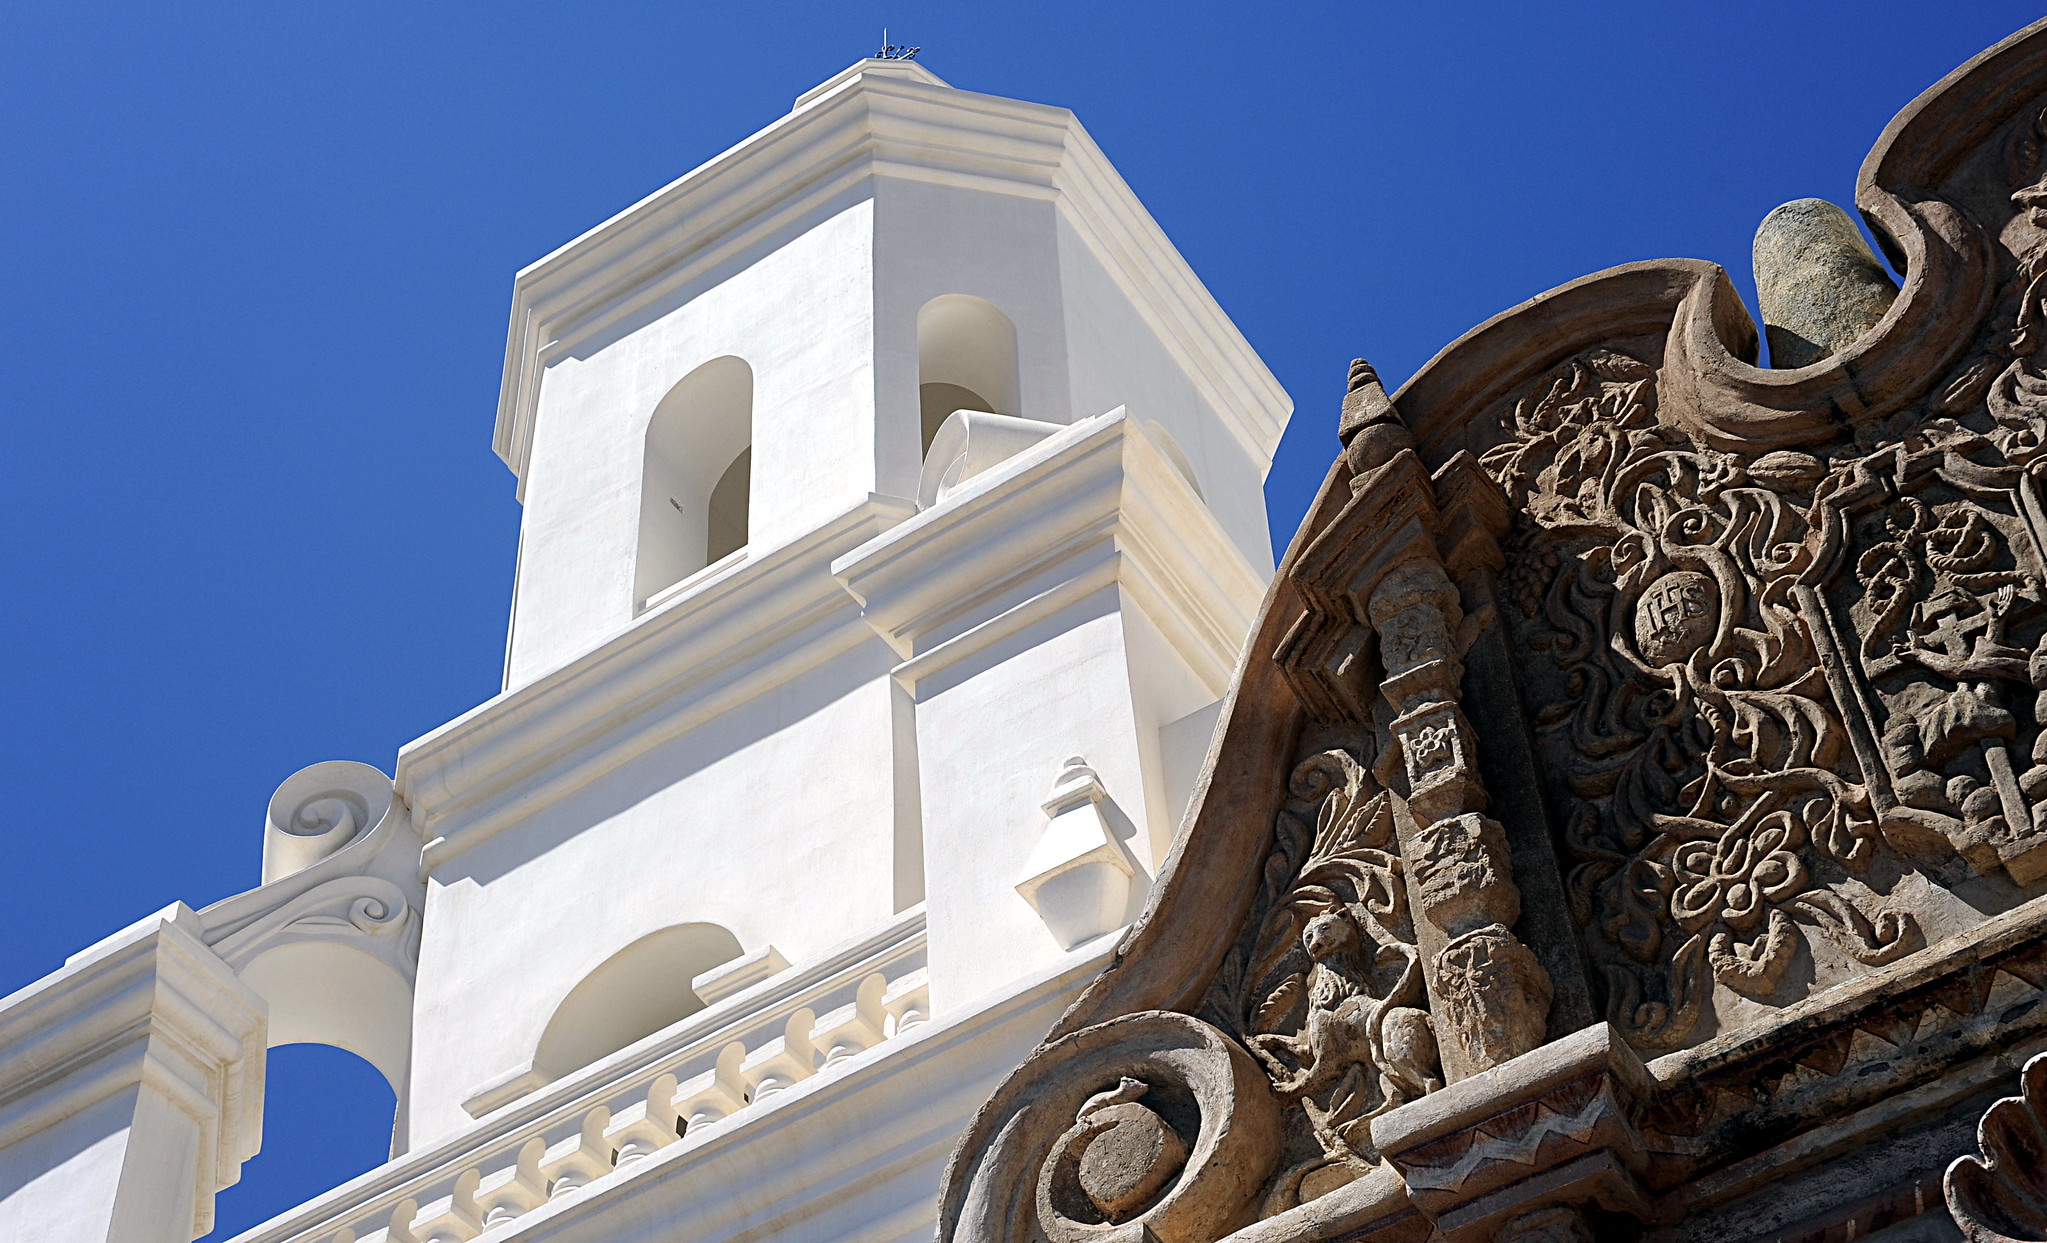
<point x="1346" y="1026"/>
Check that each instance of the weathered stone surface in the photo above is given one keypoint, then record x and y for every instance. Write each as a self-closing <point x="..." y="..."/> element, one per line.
<point x="1547" y="1225"/>
<point x="1613" y="675"/>
<point x="1819" y="284"/>
<point x="2001" y="1195"/>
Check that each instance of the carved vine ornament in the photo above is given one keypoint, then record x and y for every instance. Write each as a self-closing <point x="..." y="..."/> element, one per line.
<point x="1617" y="698"/>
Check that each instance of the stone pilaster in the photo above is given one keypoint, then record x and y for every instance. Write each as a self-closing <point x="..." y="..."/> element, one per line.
<point x="1492" y="996"/>
<point x="131" y="1089"/>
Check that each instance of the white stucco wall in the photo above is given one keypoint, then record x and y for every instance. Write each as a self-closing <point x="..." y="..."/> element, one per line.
<point x="64" y="1185"/>
<point x="1117" y="359"/>
<point x="775" y="820"/>
<point x="994" y="734"/>
<point x="933" y="240"/>
<point x="800" y="314"/>
<point x="816" y="805"/>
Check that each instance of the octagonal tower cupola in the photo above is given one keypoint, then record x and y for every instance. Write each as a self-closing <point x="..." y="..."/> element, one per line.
<point x="762" y="345"/>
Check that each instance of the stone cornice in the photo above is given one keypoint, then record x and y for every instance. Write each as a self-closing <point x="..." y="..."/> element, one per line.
<point x="150" y="1005"/>
<point x="673" y="668"/>
<point x="877" y="124"/>
<point x="1094" y="505"/>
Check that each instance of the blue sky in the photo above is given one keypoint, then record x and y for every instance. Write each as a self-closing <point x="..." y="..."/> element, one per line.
<point x="259" y="260"/>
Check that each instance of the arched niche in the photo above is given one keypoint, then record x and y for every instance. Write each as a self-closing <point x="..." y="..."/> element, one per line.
<point x="966" y="360"/>
<point x="696" y="480"/>
<point x="634" y="993"/>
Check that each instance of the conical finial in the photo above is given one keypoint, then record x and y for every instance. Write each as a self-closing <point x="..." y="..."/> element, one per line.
<point x="1361" y="374"/>
<point x="1370" y="428"/>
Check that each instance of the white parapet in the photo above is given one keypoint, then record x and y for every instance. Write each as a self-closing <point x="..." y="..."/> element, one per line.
<point x="745" y="1107"/>
<point x="131" y="1089"/>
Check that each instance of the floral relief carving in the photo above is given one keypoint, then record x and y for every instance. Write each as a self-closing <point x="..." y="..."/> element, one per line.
<point x="1710" y="768"/>
<point x="1777" y="678"/>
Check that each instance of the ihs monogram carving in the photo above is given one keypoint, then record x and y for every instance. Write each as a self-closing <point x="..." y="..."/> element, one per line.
<point x="1783" y="680"/>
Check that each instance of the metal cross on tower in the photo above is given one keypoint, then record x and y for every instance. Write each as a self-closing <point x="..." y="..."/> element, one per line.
<point x="895" y="51"/>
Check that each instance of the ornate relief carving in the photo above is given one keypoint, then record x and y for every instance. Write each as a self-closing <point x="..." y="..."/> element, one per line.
<point x="1771" y="667"/>
<point x="1491" y="992"/>
<point x="339" y="867"/>
<point x="1675" y="588"/>
<point x="1376" y="582"/>
<point x="1326" y="986"/>
<point x="1761" y="654"/>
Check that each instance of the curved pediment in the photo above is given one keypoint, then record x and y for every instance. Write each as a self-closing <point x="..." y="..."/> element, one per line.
<point x="1620" y="701"/>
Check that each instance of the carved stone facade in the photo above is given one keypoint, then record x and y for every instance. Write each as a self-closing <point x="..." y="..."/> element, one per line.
<point x="1630" y="818"/>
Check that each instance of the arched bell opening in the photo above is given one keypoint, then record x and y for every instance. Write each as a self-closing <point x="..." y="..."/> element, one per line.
<point x="696" y="481"/>
<point x="966" y="360"/>
<point x="327" y="1118"/>
<point x="328" y="992"/>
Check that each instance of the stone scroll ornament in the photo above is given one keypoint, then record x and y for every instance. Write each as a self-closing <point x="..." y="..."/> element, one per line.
<point x="1611" y="676"/>
<point x="1999" y="1195"/>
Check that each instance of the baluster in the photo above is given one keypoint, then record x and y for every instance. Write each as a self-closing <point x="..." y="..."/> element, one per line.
<point x="516" y="1190"/>
<point x="580" y="1160"/>
<point x="648" y="1125"/>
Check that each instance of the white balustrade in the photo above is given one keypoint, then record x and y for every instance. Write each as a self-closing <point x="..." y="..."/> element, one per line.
<point x="708" y="1071"/>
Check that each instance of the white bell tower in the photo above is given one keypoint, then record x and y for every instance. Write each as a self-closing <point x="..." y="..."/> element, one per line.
<point x="893" y="519"/>
<point x="889" y="244"/>
<point x="893" y="515"/>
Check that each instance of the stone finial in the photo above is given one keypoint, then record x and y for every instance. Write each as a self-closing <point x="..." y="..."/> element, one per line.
<point x="1370" y="428"/>
<point x="1080" y="873"/>
<point x="1362" y="374"/>
<point x="1819" y="285"/>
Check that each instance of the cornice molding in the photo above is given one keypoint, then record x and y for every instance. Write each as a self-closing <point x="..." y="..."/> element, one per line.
<point x="676" y="666"/>
<point x="150" y="1005"/>
<point x="1096" y="504"/>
